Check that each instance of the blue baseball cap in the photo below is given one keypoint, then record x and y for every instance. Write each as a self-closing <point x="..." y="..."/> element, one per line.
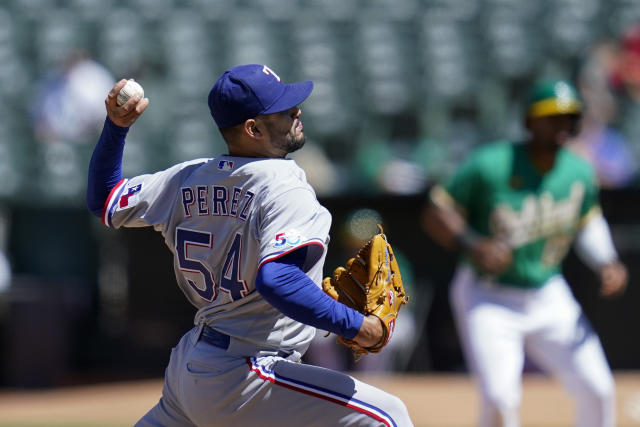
<point x="247" y="91"/>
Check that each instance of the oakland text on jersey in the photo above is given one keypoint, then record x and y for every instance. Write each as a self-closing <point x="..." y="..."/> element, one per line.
<point x="217" y="200"/>
<point x="538" y="217"/>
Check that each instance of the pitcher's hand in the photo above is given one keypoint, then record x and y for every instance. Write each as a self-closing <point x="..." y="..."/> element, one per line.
<point x="126" y="114"/>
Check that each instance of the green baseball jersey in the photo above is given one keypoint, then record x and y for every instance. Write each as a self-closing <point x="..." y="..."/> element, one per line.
<point x="502" y="194"/>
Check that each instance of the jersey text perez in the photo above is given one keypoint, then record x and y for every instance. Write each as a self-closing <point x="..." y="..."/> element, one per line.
<point x="216" y="200"/>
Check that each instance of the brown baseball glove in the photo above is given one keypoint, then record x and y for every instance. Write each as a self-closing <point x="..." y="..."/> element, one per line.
<point x="371" y="284"/>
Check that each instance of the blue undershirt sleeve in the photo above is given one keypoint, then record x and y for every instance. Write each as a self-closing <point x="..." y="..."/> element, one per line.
<point x="283" y="284"/>
<point x="105" y="167"/>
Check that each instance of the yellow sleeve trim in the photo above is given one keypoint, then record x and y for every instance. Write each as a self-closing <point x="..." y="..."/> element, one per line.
<point x="441" y="197"/>
<point x="592" y="213"/>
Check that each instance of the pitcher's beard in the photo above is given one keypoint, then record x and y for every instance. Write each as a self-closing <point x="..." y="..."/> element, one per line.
<point x="291" y="143"/>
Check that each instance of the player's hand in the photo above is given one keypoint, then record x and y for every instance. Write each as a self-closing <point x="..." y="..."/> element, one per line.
<point x="614" y="277"/>
<point x="370" y="333"/>
<point x="491" y="255"/>
<point x="126" y="114"/>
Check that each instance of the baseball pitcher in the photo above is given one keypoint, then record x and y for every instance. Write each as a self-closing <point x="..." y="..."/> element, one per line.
<point x="249" y="240"/>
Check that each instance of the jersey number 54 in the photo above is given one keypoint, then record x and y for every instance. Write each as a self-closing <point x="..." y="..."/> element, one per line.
<point x="230" y="282"/>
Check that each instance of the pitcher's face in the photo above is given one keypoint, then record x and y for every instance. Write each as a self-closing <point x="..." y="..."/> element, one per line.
<point x="285" y="129"/>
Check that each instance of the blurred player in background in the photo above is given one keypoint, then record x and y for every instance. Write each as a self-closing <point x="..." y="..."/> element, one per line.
<point x="626" y="86"/>
<point x="515" y="209"/>
<point x="68" y="102"/>
<point x="249" y="240"/>
<point x="609" y="83"/>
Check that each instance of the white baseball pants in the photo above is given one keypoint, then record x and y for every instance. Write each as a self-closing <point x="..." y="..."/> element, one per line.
<point x="498" y="325"/>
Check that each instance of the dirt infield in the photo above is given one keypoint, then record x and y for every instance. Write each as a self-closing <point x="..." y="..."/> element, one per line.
<point x="433" y="400"/>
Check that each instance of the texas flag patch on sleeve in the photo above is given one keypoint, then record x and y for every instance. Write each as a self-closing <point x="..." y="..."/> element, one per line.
<point x="126" y="198"/>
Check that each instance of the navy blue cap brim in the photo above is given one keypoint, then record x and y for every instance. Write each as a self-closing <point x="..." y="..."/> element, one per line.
<point x="294" y="94"/>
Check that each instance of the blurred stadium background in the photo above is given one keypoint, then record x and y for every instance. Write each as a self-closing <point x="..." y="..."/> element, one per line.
<point x="403" y="90"/>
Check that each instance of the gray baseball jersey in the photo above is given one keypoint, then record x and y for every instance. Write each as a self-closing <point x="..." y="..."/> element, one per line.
<point x="223" y="218"/>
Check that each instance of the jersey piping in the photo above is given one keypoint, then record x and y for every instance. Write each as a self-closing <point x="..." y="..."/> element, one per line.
<point x="320" y="392"/>
<point x="308" y="263"/>
<point x="114" y="195"/>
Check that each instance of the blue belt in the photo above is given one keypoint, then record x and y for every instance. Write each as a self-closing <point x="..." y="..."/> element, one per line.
<point x="215" y="338"/>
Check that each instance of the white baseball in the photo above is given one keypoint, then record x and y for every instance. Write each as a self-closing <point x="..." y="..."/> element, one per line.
<point x="131" y="88"/>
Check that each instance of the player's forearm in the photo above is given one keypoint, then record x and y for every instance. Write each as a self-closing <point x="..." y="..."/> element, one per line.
<point x="594" y="244"/>
<point x="292" y="292"/>
<point x="105" y="167"/>
<point x="447" y="227"/>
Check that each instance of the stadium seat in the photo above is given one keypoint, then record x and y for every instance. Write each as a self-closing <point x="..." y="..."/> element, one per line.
<point x="216" y="11"/>
<point x="57" y="36"/>
<point x="621" y="15"/>
<point x="385" y="63"/>
<point x="192" y="139"/>
<point x="92" y="10"/>
<point x="14" y="76"/>
<point x="189" y="54"/>
<point x="151" y="10"/>
<point x="369" y="59"/>
<point x="571" y="26"/>
<point x="12" y="174"/>
<point x="332" y="10"/>
<point x="318" y="52"/>
<point x="118" y="28"/>
<point x="445" y="56"/>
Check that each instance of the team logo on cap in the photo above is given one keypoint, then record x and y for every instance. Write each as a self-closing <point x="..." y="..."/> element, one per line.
<point x="269" y="72"/>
